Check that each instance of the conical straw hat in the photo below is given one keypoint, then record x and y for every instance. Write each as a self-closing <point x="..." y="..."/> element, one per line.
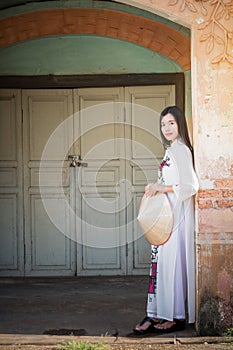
<point x="156" y="218"/>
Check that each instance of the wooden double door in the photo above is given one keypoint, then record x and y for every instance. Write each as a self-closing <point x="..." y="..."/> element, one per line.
<point x="74" y="163"/>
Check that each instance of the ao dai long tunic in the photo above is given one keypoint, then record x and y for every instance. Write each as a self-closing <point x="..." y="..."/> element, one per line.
<point x="177" y="171"/>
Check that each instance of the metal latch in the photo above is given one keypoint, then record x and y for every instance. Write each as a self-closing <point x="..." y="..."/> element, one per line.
<point x="75" y="161"/>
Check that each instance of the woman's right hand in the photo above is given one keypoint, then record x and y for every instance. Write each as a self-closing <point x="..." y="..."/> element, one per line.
<point x="150" y="190"/>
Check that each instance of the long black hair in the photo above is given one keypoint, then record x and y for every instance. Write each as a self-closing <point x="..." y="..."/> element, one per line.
<point x="182" y="126"/>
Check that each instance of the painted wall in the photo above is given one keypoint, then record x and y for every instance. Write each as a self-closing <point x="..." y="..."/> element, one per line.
<point x="81" y="54"/>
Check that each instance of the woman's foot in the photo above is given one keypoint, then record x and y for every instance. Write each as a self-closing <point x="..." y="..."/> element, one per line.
<point x="146" y="325"/>
<point x="170" y="326"/>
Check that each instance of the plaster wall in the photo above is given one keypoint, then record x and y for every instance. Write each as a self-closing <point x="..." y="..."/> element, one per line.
<point x="81" y="54"/>
<point x="212" y="110"/>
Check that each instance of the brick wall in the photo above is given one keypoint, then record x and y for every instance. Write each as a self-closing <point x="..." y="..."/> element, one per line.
<point x="221" y="196"/>
<point x="215" y="263"/>
<point x="139" y="30"/>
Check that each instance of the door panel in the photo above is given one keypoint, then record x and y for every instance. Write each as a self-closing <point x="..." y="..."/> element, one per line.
<point x="11" y="214"/>
<point x="100" y="195"/>
<point x="95" y="257"/>
<point x="145" y="152"/>
<point x="48" y="251"/>
<point x="50" y="246"/>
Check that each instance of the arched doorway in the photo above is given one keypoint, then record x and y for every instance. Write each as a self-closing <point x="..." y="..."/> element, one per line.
<point x="152" y="47"/>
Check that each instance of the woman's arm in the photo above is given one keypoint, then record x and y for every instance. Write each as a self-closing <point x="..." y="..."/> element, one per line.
<point x="187" y="183"/>
<point x="152" y="189"/>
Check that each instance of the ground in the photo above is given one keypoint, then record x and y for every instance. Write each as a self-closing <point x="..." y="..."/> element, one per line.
<point x="178" y="346"/>
<point x="40" y="311"/>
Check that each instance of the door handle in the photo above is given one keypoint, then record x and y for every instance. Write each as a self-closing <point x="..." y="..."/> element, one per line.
<point x="75" y="161"/>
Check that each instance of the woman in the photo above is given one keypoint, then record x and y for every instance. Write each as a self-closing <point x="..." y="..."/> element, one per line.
<point x="172" y="273"/>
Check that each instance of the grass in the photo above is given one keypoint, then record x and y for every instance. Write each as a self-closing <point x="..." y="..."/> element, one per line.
<point x="228" y="332"/>
<point x="72" y="345"/>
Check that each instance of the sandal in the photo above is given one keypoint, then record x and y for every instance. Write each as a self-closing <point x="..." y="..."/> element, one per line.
<point x="149" y="329"/>
<point x="179" y="325"/>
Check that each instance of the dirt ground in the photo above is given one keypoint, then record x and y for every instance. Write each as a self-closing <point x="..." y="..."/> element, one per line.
<point x="134" y="347"/>
<point x="30" y="309"/>
<point x="178" y="346"/>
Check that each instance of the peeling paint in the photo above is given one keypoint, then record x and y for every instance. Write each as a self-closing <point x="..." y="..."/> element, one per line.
<point x="206" y="183"/>
<point x="215" y="168"/>
<point x="207" y="98"/>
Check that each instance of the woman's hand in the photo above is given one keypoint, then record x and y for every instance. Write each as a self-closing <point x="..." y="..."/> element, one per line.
<point x="152" y="189"/>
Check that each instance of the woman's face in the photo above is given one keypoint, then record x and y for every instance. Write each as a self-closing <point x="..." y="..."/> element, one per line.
<point x="169" y="127"/>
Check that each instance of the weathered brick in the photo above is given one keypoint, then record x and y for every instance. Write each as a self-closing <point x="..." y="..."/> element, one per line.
<point x="182" y="60"/>
<point x="134" y="37"/>
<point x="227" y="193"/>
<point x="183" y="46"/>
<point x="114" y="21"/>
<point x="204" y="204"/>
<point x="9" y="35"/>
<point x="145" y="38"/>
<point x="156" y="46"/>
<point x="101" y="26"/>
<point x="172" y="43"/>
<point x="209" y="194"/>
<point x="113" y="32"/>
<point x="125" y="28"/>
<point x="90" y="28"/>
<point x="225" y="204"/>
<point x="68" y="17"/>
<point x="174" y="55"/>
<point x="224" y="183"/>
